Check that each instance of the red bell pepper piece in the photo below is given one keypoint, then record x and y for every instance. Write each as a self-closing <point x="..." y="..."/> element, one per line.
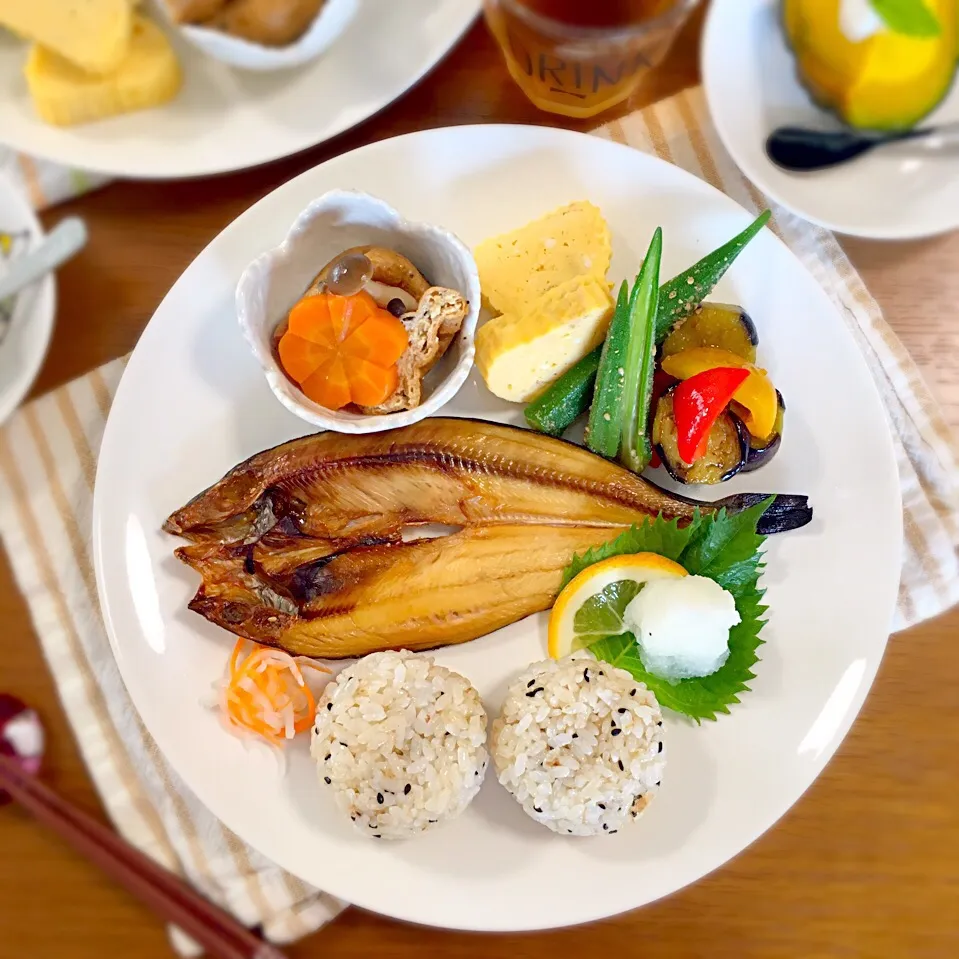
<point x="697" y="403"/>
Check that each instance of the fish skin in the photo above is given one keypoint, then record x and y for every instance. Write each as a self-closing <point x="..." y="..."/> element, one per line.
<point x="415" y="595"/>
<point x="457" y="472"/>
<point x="299" y="547"/>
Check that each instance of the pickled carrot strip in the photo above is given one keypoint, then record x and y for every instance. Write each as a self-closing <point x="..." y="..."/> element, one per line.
<point x="265" y="691"/>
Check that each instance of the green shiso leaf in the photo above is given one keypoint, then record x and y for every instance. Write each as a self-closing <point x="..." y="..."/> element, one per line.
<point x="725" y="548"/>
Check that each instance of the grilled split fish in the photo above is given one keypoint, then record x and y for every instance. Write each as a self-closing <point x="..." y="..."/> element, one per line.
<point x="457" y="472"/>
<point x="301" y="547"/>
<point x="410" y="595"/>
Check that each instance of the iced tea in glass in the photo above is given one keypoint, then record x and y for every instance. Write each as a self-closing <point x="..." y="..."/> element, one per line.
<point x="581" y="57"/>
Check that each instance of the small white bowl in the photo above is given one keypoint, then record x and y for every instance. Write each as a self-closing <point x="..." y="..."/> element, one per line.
<point x="334" y="222"/>
<point x="334" y="17"/>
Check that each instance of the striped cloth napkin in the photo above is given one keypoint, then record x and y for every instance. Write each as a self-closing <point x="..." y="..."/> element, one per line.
<point x="45" y="183"/>
<point x="47" y="466"/>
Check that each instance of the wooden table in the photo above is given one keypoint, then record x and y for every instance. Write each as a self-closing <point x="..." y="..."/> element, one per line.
<point x="865" y="865"/>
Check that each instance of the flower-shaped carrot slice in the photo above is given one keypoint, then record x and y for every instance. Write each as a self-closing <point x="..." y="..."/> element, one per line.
<point x="342" y="349"/>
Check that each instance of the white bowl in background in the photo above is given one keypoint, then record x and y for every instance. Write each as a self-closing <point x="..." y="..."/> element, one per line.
<point x="330" y="22"/>
<point x="334" y="222"/>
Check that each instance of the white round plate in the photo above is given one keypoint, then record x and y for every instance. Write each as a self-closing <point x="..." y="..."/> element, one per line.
<point x="749" y="76"/>
<point x="226" y="119"/>
<point x="831" y="586"/>
<point x="26" y="324"/>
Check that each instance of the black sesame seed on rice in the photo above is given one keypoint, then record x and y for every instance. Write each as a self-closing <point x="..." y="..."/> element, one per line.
<point x="407" y="788"/>
<point x="537" y="809"/>
<point x="605" y="825"/>
<point x="326" y="759"/>
<point x="575" y="735"/>
<point x="601" y="805"/>
<point x="660" y="747"/>
<point x="622" y="768"/>
<point x="586" y="675"/>
<point x="531" y="683"/>
<point x="329" y="706"/>
<point x="660" y="723"/>
<point x="379" y="798"/>
<point x="615" y="731"/>
<point x="621" y="710"/>
<point x="327" y="780"/>
<point x="659" y="783"/>
<point x="613" y="832"/>
<point x="632" y="692"/>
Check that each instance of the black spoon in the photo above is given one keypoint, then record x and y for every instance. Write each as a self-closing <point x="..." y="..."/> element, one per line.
<point x="799" y="148"/>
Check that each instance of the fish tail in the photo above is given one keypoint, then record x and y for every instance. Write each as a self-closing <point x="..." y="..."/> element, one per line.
<point x="787" y="511"/>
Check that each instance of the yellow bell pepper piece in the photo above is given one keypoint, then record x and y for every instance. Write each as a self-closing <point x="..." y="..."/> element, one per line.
<point x="757" y="394"/>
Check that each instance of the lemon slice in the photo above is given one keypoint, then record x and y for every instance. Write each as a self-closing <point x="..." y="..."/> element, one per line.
<point x="592" y="604"/>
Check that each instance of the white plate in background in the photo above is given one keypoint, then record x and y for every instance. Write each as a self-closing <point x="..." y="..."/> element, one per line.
<point x="26" y="324"/>
<point x="226" y="119"/>
<point x="749" y="75"/>
<point x="831" y="586"/>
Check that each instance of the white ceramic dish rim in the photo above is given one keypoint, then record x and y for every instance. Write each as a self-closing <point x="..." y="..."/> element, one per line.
<point x="258" y="273"/>
<point x="332" y="19"/>
<point x="33" y="314"/>
<point x="710" y="63"/>
<point x="102" y="148"/>
<point x="838" y="724"/>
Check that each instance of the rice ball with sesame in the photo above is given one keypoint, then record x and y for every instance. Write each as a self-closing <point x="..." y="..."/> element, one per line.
<point x="401" y="743"/>
<point x="579" y="744"/>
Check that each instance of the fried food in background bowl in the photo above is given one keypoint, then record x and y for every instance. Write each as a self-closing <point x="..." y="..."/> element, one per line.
<point x="262" y="35"/>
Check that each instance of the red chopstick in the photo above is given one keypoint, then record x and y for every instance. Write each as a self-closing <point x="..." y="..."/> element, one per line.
<point x="219" y="933"/>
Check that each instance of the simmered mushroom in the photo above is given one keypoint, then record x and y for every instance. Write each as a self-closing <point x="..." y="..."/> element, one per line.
<point x="385" y="274"/>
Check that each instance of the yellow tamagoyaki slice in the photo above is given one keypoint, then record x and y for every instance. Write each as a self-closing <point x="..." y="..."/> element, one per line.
<point x="93" y="35"/>
<point x="520" y="355"/>
<point x="64" y="95"/>
<point x="517" y="268"/>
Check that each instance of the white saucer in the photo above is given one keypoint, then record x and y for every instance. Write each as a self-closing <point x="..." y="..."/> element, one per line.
<point x="25" y="329"/>
<point x="751" y="88"/>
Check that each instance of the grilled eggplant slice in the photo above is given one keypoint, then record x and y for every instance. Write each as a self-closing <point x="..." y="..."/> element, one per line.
<point x="760" y="452"/>
<point x="726" y="452"/>
<point x="721" y="325"/>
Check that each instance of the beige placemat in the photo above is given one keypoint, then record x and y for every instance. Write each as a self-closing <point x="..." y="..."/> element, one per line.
<point x="47" y="466"/>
